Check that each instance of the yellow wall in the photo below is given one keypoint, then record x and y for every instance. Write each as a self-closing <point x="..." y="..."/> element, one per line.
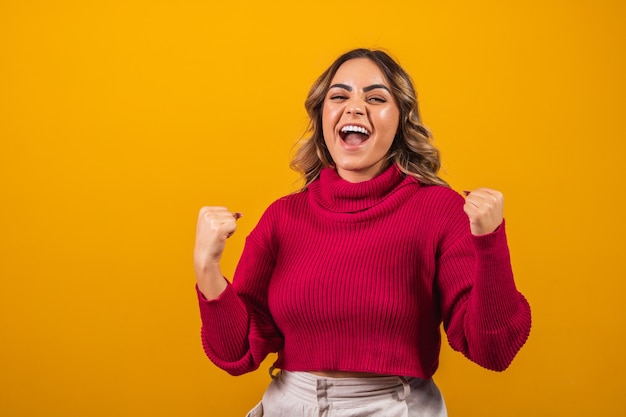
<point x="119" y="119"/>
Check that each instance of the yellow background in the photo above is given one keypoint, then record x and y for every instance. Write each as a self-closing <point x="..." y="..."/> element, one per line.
<point x="119" y="119"/>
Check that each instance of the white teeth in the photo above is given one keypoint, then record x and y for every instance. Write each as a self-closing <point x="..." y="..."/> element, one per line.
<point x="352" y="128"/>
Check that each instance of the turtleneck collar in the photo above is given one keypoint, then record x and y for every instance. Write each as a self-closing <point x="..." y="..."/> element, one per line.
<point x="337" y="195"/>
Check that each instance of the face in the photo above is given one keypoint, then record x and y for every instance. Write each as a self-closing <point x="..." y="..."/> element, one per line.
<point x="359" y="119"/>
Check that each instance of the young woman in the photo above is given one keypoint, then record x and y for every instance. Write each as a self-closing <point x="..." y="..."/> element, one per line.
<point x="350" y="278"/>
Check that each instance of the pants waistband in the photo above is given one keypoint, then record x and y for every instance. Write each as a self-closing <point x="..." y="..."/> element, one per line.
<point x="317" y="389"/>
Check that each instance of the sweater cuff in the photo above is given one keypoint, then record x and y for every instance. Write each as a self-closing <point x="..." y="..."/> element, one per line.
<point x="224" y="324"/>
<point x="494" y="257"/>
<point x="493" y="239"/>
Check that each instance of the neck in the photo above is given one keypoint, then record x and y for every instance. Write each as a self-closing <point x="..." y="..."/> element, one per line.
<point x="362" y="175"/>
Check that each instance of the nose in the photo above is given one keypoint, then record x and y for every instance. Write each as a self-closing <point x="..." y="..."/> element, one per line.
<point x="354" y="107"/>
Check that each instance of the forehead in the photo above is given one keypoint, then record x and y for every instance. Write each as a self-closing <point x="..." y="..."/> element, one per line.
<point x="360" y="71"/>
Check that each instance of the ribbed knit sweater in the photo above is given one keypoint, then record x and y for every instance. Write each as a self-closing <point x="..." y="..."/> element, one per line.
<point x="359" y="277"/>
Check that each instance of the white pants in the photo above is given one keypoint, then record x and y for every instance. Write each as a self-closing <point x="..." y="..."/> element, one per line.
<point x="301" y="394"/>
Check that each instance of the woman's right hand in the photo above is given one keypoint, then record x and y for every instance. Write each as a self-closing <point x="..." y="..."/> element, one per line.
<point x="215" y="225"/>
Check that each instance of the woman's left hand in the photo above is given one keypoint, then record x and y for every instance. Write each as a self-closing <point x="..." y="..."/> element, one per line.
<point x="485" y="209"/>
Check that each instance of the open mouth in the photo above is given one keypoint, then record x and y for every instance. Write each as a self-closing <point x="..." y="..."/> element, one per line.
<point x="354" y="135"/>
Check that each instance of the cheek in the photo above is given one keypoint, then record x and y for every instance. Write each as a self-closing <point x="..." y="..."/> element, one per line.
<point x="329" y="119"/>
<point x="329" y="112"/>
<point x="324" y="115"/>
<point x="389" y="119"/>
<point x="390" y="116"/>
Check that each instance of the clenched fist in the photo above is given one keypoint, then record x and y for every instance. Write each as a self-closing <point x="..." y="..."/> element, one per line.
<point x="215" y="225"/>
<point x="485" y="209"/>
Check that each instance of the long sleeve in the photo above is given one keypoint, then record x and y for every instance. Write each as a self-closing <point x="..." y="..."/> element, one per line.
<point x="359" y="277"/>
<point x="237" y="329"/>
<point x="485" y="316"/>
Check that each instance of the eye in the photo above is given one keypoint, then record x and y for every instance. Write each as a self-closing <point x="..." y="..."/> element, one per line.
<point x="376" y="99"/>
<point x="337" y="97"/>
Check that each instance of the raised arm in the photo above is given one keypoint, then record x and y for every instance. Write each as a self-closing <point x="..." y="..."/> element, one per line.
<point x="485" y="316"/>
<point x="238" y="331"/>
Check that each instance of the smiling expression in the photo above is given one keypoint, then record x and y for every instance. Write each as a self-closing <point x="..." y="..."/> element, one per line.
<point x="359" y="119"/>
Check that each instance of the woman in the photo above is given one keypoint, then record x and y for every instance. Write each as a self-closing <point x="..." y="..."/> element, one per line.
<point x="350" y="278"/>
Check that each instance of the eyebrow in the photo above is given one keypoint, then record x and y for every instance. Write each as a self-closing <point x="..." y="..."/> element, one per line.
<point x="365" y="89"/>
<point x="374" y="87"/>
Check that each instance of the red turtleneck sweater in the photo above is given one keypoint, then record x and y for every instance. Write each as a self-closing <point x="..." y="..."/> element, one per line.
<point x="359" y="276"/>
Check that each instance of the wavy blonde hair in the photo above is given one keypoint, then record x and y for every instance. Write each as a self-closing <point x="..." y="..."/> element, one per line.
<point x="412" y="149"/>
